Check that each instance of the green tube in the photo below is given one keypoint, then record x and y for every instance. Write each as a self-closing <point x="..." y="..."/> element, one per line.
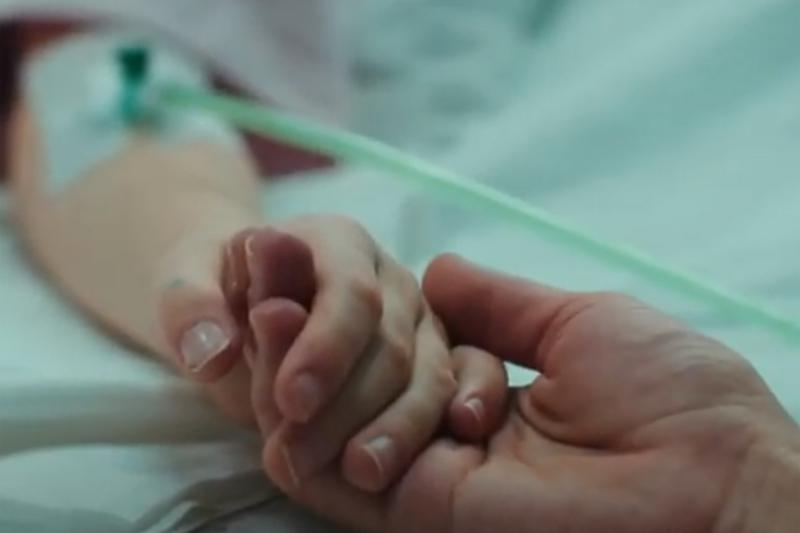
<point x="450" y="187"/>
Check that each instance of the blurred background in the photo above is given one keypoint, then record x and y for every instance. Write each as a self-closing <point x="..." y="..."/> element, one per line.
<point x="671" y="127"/>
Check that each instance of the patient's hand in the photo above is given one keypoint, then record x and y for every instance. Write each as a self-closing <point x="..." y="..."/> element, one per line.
<point x="350" y="371"/>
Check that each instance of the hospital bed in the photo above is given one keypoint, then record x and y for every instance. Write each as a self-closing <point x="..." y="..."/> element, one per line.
<point x="672" y="127"/>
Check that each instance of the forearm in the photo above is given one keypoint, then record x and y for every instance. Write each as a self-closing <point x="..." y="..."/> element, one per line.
<point x="108" y="238"/>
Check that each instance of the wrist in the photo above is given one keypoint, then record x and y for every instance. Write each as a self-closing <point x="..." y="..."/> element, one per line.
<point x="766" y="495"/>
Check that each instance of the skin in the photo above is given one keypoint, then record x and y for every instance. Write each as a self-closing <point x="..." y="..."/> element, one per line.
<point x="636" y="423"/>
<point x="398" y="392"/>
<point x="157" y="240"/>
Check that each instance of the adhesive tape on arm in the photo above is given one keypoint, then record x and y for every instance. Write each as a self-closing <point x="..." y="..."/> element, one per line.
<point x="73" y="89"/>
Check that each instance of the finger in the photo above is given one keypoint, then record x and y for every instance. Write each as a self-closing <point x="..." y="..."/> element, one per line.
<point x="279" y="265"/>
<point x="303" y="450"/>
<point x="375" y="383"/>
<point x="276" y="323"/>
<point x="382" y="451"/>
<point x="427" y="497"/>
<point x="195" y="319"/>
<point x="329" y="496"/>
<point x="480" y="404"/>
<point x="235" y="275"/>
<point x="199" y="328"/>
<point x="421" y="501"/>
<point x="506" y="316"/>
<point x="344" y="316"/>
<point x="270" y="264"/>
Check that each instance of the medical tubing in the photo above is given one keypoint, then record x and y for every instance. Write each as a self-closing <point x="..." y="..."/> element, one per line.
<point x="450" y="187"/>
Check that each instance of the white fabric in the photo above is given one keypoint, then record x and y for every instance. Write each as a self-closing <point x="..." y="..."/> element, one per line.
<point x="670" y="126"/>
<point x="74" y="89"/>
<point x="673" y="126"/>
<point x="96" y="438"/>
<point x="287" y="51"/>
<point x="164" y="461"/>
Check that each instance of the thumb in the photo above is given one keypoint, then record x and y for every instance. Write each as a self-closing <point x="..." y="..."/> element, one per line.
<point x="500" y="314"/>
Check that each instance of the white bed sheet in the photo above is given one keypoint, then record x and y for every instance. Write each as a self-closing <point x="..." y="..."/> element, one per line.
<point x="96" y="438"/>
<point x="672" y="127"/>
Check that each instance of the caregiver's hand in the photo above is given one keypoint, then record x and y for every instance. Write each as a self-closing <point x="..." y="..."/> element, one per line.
<point x="636" y="423"/>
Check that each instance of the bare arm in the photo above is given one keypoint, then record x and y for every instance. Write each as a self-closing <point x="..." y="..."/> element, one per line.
<point x="106" y="238"/>
<point x="150" y="218"/>
<point x="146" y="242"/>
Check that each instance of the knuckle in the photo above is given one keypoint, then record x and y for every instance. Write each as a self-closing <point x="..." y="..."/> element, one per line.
<point x="400" y="356"/>
<point x="367" y="291"/>
<point x="467" y="356"/>
<point x="402" y="285"/>
<point x="611" y="299"/>
<point x="445" y="381"/>
<point x="409" y="286"/>
<point x="412" y="426"/>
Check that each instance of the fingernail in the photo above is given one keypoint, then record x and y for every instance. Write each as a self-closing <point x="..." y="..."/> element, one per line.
<point x="305" y="397"/>
<point x="204" y="341"/>
<point x="253" y="292"/>
<point x="287" y="458"/>
<point x="381" y="450"/>
<point x="478" y="410"/>
<point x="230" y="262"/>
